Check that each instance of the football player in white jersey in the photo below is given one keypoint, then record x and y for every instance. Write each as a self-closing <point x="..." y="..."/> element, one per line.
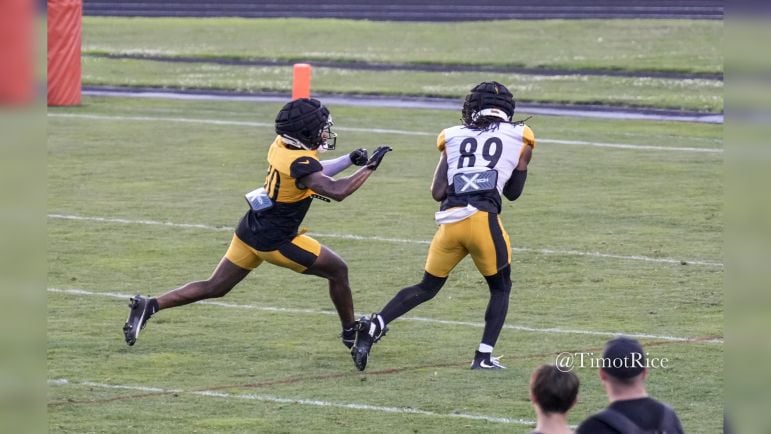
<point x="481" y="160"/>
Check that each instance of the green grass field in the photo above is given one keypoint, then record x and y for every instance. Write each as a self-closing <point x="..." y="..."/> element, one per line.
<point x="691" y="94"/>
<point x="629" y="45"/>
<point x="576" y="46"/>
<point x="143" y="196"/>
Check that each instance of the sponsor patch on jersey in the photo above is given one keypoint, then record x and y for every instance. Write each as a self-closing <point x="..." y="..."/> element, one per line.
<point x="259" y="200"/>
<point x="473" y="182"/>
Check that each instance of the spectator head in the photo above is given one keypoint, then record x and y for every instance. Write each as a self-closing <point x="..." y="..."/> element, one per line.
<point x="552" y="390"/>
<point x="623" y="361"/>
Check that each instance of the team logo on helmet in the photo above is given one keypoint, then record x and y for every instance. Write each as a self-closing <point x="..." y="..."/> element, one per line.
<point x="488" y="99"/>
<point x="307" y="124"/>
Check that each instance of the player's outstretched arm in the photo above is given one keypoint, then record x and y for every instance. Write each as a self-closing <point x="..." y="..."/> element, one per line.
<point x="336" y="165"/>
<point x="339" y="189"/>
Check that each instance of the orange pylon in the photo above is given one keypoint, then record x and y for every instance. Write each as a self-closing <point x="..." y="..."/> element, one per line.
<point x="301" y="81"/>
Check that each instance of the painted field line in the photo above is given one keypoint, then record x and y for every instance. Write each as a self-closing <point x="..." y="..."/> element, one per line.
<point x="297" y="401"/>
<point x="521" y="328"/>
<point x="553" y="252"/>
<point x="373" y="130"/>
<point x="635" y="147"/>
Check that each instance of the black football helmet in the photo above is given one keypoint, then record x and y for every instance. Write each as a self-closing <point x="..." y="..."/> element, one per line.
<point x="303" y="122"/>
<point x="489" y="98"/>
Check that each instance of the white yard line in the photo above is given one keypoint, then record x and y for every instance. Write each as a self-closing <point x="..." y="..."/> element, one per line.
<point x="297" y="401"/>
<point x="390" y="240"/>
<point x="521" y="328"/>
<point x="373" y="130"/>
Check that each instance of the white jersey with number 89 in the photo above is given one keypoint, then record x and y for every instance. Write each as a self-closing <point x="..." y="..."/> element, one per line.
<point x="471" y="151"/>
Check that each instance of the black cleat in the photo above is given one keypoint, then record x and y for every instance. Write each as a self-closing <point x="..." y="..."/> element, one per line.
<point x="486" y="361"/>
<point x="362" y="344"/>
<point x="349" y="336"/>
<point x="141" y="311"/>
<point x="368" y="331"/>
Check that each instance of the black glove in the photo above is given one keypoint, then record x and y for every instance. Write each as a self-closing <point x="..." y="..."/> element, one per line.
<point x="359" y="157"/>
<point x="377" y="156"/>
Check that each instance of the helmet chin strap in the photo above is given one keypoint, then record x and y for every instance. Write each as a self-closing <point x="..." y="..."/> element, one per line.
<point x="498" y="113"/>
<point x="323" y="147"/>
<point x="291" y="141"/>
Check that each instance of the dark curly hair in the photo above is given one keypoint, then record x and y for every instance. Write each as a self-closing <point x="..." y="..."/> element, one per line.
<point x="487" y="95"/>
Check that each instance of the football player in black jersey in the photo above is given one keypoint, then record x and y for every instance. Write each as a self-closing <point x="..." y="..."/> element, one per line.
<point x="270" y="229"/>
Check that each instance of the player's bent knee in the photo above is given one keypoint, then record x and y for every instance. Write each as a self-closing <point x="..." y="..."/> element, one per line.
<point x="430" y="285"/>
<point x="341" y="270"/>
<point x="330" y="266"/>
<point x="335" y="267"/>
<point x="500" y="281"/>
<point x="338" y="274"/>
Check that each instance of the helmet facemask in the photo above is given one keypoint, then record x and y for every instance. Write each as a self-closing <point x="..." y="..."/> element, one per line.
<point x="328" y="137"/>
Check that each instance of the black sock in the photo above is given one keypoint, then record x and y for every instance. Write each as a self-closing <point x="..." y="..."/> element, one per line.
<point x="480" y="355"/>
<point x="154" y="307"/>
<point x="498" y="306"/>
